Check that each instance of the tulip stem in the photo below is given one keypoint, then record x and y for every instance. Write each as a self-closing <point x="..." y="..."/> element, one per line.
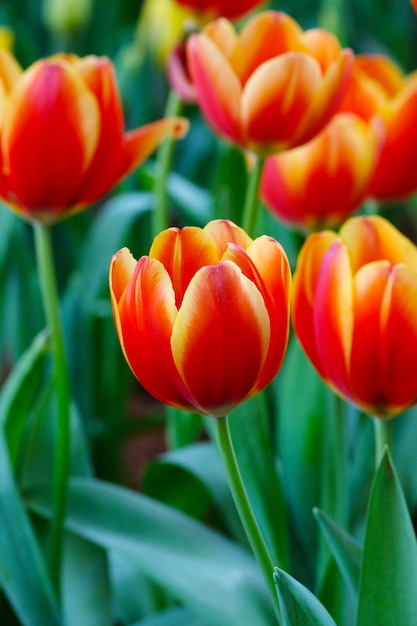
<point x="164" y="159"/>
<point x="251" y="208"/>
<point x="241" y="500"/>
<point x="50" y="301"/>
<point x="382" y="432"/>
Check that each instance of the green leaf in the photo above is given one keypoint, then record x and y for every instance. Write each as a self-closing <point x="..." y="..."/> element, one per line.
<point x="214" y="577"/>
<point x="23" y="575"/>
<point x="388" y="582"/>
<point x="299" y="607"/>
<point x="345" y="549"/>
<point x="86" y="593"/>
<point x="19" y="392"/>
<point x="172" y="617"/>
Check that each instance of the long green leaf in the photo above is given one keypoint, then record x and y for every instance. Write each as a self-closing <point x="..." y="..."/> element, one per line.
<point x="345" y="549"/>
<point x="23" y="575"/>
<point x="18" y="393"/>
<point x="388" y="582"/>
<point x="299" y="607"/>
<point x="217" y="579"/>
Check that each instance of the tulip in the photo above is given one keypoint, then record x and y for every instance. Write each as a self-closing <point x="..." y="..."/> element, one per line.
<point x="271" y="87"/>
<point x="378" y="88"/>
<point x="62" y="141"/>
<point x="203" y="320"/>
<point x="354" y="303"/>
<point x="320" y="184"/>
<point x="210" y="9"/>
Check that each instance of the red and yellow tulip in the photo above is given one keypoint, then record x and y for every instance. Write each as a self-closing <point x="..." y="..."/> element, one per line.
<point x="354" y="304"/>
<point x="62" y="137"/>
<point x="211" y="9"/>
<point x="203" y="320"/>
<point x="378" y="88"/>
<point x="270" y="87"/>
<point x="321" y="183"/>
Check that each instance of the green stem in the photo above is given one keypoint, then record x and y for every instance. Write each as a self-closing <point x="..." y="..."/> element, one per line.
<point x="164" y="160"/>
<point x="240" y="497"/>
<point x="251" y="208"/>
<point x="50" y="301"/>
<point x="382" y="432"/>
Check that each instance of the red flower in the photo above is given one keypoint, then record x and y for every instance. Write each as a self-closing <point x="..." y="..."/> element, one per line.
<point x="323" y="182"/>
<point x="272" y="86"/>
<point x="232" y="9"/>
<point x="354" y="303"/>
<point x="203" y="320"/>
<point x="62" y="137"/>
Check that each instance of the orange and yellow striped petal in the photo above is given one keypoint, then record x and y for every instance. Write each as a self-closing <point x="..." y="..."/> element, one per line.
<point x="50" y="107"/>
<point x="220" y="337"/>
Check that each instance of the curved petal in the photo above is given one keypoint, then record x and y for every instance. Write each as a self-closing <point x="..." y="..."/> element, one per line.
<point x="327" y="98"/>
<point x="182" y="253"/>
<point x="323" y="45"/>
<point x="220" y="337"/>
<point x="147" y="314"/>
<point x="383" y="71"/>
<point x="373" y="238"/>
<point x="218" y="88"/>
<point x="50" y="132"/>
<point x="384" y="349"/>
<point x="276" y="99"/>
<point x="333" y="316"/>
<point x="10" y="70"/>
<point x="225" y="232"/>
<point x="134" y="148"/>
<point x="265" y="36"/>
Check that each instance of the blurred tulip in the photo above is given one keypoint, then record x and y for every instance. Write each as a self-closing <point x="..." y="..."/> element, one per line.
<point x="6" y="38"/>
<point x="63" y="143"/>
<point x="66" y="16"/>
<point x="203" y="320"/>
<point x="354" y="304"/>
<point x="320" y="184"/>
<point x="271" y="87"/>
<point x="414" y="5"/>
<point x="378" y="87"/>
<point x="211" y="9"/>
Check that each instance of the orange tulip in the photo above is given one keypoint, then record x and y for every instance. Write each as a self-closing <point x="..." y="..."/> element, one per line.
<point x="321" y="183"/>
<point x="354" y="304"/>
<point x="232" y="9"/>
<point x="62" y="141"/>
<point x="272" y="86"/>
<point x="203" y="320"/>
<point x="378" y="88"/>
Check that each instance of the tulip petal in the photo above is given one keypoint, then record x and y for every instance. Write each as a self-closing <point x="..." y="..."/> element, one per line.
<point x="384" y="349"/>
<point x="224" y="232"/>
<point x="182" y="253"/>
<point x="50" y="107"/>
<point x="275" y="100"/>
<point x="374" y="239"/>
<point x="267" y="35"/>
<point x="133" y="148"/>
<point x="220" y="337"/>
<point x="333" y="316"/>
<point x="218" y="88"/>
<point x="145" y="316"/>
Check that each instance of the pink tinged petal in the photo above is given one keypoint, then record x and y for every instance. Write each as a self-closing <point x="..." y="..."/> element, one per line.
<point x="50" y="132"/>
<point x="182" y="253"/>
<point x="147" y="314"/>
<point x="178" y="75"/>
<point x="220" y="338"/>
<point x="373" y="238"/>
<point x="134" y="148"/>
<point x="217" y="87"/>
<point x="224" y="232"/>
<point x="384" y="351"/>
<point x="333" y="316"/>
<point x="306" y="278"/>
<point x="276" y="99"/>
